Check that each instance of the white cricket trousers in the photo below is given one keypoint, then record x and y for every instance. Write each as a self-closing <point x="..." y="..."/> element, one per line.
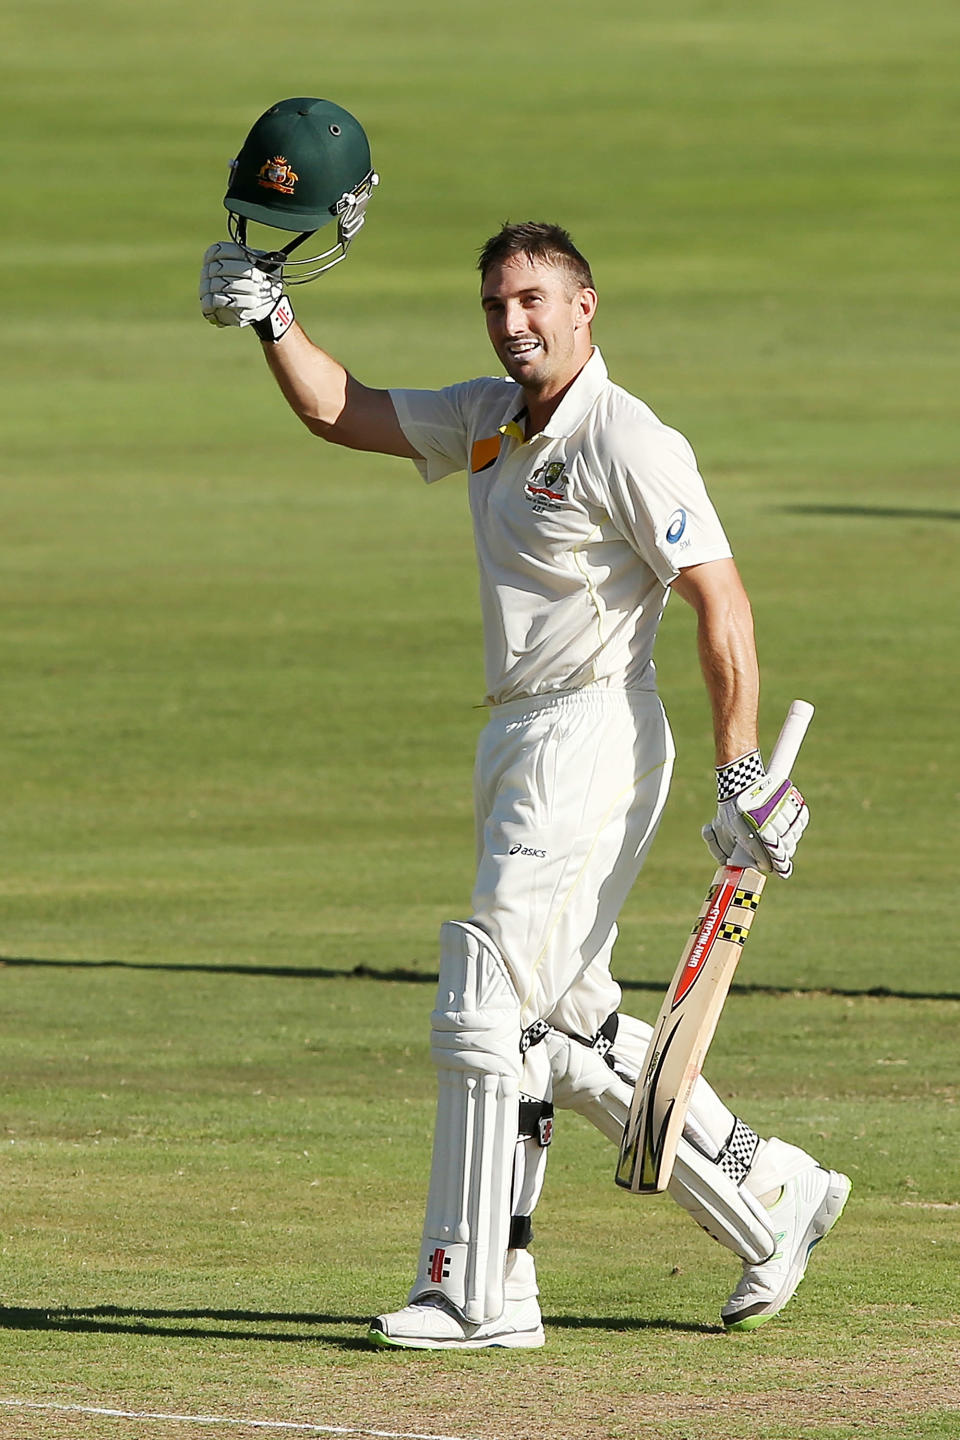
<point x="569" y="790"/>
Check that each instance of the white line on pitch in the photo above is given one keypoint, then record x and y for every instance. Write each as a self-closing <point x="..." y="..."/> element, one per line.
<point x="291" y="1425"/>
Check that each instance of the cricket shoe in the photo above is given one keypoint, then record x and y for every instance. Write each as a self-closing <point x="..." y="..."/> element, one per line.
<point x="808" y="1207"/>
<point x="433" y="1324"/>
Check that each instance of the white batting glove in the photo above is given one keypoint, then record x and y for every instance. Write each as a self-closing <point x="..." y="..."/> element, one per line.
<point x="762" y="815"/>
<point x="235" y="291"/>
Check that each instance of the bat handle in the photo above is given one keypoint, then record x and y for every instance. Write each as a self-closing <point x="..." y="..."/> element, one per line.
<point x="782" y="759"/>
<point x="784" y="754"/>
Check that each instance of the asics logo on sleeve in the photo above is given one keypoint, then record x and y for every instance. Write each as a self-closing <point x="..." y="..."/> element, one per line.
<point x="676" y="526"/>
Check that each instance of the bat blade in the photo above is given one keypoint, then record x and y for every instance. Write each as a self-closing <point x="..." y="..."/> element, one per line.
<point x="691" y="1009"/>
<point x="685" y="1027"/>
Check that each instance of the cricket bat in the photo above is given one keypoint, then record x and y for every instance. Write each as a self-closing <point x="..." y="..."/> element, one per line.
<point x="691" y="1009"/>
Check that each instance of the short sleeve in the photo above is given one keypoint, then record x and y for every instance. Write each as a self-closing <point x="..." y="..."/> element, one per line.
<point x="436" y="424"/>
<point x="656" y="498"/>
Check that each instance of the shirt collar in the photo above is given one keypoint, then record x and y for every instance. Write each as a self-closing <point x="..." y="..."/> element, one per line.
<point x="576" y="404"/>
<point x="573" y="408"/>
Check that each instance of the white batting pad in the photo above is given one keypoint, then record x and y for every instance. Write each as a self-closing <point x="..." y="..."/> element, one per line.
<point x="583" y="1081"/>
<point x="475" y="1043"/>
<point x="728" y="1212"/>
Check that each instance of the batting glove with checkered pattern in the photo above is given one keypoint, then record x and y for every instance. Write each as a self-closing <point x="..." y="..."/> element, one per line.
<point x="760" y="814"/>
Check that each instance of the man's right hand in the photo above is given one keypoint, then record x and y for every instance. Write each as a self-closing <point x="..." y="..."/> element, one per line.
<point x="235" y="291"/>
<point x="766" y="819"/>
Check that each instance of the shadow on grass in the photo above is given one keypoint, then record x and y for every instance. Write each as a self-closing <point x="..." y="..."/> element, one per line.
<point x="426" y="977"/>
<point x="629" y="1322"/>
<point x="246" y="1324"/>
<point x="873" y="512"/>
<point x="226" y="1324"/>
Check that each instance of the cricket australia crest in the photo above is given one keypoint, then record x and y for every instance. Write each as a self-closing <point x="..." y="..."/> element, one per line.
<point x="276" y="174"/>
<point x="547" y="488"/>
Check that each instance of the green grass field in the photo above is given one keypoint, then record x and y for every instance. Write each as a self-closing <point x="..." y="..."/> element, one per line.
<point x="241" y="677"/>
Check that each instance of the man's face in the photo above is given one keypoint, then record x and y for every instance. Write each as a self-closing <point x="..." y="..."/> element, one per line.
<point x="538" y="321"/>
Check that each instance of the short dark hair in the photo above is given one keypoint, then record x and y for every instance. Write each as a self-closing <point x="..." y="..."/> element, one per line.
<point x="537" y="241"/>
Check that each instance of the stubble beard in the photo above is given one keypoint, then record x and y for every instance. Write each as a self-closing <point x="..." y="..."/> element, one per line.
<point x="535" y="378"/>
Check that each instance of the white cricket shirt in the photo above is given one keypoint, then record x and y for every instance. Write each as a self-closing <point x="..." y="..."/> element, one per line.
<point x="579" y="531"/>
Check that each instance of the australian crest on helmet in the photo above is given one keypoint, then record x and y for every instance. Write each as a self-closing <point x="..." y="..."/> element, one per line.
<point x="278" y="174"/>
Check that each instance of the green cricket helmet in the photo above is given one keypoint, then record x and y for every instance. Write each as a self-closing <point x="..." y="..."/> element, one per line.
<point x="305" y="162"/>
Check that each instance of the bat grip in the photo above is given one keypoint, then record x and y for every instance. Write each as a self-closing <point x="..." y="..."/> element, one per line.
<point x="782" y="759"/>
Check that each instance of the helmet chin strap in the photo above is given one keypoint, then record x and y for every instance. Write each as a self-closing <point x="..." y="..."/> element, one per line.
<point x="273" y="261"/>
<point x="350" y="211"/>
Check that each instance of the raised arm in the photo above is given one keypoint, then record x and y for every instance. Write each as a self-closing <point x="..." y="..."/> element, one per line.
<point x="331" y="403"/>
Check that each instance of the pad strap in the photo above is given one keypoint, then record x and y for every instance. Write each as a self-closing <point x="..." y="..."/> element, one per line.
<point x="533" y="1034"/>
<point x="605" y="1038"/>
<point x="536" y="1121"/>
<point x="739" y="1152"/>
